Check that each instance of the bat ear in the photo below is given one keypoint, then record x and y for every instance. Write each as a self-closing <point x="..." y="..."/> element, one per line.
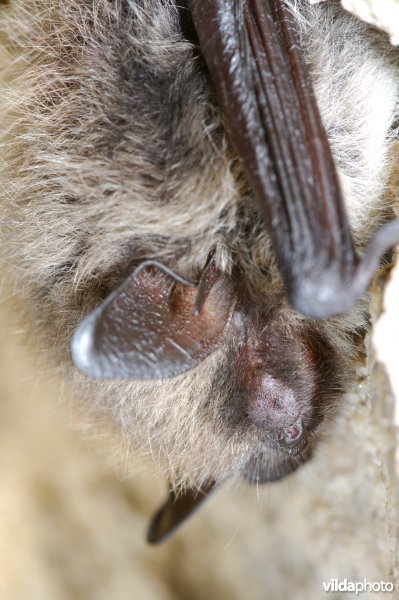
<point x="156" y="325"/>
<point x="176" y="510"/>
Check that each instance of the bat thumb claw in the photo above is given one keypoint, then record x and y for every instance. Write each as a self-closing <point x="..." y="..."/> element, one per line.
<point x="335" y="290"/>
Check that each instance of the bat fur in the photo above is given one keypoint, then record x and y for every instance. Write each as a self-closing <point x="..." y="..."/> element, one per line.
<point x="113" y="150"/>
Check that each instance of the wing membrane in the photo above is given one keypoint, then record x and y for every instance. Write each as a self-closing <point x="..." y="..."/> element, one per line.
<point x="176" y="510"/>
<point x="254" y="57"/>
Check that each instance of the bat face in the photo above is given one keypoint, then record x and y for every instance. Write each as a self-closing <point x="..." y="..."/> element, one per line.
<point x="136" y="214"/>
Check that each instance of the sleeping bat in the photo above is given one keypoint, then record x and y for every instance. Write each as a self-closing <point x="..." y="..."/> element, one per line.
<point x="193" y="210"/>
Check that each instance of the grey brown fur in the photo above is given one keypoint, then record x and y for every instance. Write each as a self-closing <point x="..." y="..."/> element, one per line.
<point x="113" y="150"/>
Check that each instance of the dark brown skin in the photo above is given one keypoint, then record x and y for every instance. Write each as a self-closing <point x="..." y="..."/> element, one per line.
<point x="176" y="510"/>
<point x="159" y="325"/>
<point x="153" y="326"/>
<point x="254" y="59"/>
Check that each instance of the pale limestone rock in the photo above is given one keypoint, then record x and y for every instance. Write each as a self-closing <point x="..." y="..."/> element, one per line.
<point x="386" y="330"/>
<point x="381" y="13"/>
<point x="386" y="334"/>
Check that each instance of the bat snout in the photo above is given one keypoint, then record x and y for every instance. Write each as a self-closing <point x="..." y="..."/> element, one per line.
<point x="272" y="404"/>
<point x="278" y="413"/>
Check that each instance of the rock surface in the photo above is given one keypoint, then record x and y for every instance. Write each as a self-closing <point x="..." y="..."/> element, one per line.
<point x="381" y="13"/>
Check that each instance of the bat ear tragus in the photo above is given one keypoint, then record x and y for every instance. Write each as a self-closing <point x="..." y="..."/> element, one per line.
<point x="155" y="325"/>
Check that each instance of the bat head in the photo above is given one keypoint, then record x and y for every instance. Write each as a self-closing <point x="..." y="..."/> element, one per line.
<point x="262" y="400"/>
<point x="166" y="220"/>
<point x="270" y="375"/>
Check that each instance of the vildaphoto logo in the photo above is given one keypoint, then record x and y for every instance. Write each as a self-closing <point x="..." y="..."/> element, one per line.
<point x="357" y="587"/>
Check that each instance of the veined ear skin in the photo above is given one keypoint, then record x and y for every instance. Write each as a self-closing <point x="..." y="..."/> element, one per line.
<point x="151" y="327"/>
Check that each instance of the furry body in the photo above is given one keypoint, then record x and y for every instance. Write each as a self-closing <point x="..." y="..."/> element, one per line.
<point x="115" y="151"/>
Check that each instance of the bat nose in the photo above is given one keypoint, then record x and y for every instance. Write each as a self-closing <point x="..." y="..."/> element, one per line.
<point x="294" y="438"/>
<point x="271" y="403"/>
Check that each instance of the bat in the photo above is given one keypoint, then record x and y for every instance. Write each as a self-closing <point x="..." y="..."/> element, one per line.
<point x="193" y="194"/>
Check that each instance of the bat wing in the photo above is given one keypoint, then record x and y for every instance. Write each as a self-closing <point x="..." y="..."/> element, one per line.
<point x="254" y="58"/>
<point x="176" y="510"/>
<point x="153" y="327"/>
